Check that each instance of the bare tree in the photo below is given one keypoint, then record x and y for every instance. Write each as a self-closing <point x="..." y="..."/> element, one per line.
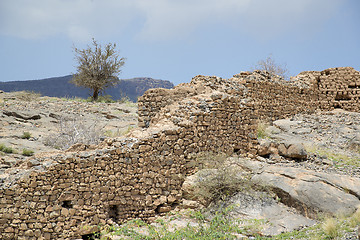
<point x="97" y="68"/>
<point x="272" y="67"/>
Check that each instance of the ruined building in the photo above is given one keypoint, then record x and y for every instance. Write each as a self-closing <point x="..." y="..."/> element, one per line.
<point x="67" y="195"/>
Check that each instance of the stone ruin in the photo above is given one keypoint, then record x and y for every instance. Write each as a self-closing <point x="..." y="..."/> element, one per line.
<point x="67" y="195"/>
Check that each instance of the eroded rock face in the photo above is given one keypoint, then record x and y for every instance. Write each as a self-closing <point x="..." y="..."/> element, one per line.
<point x="247" y="204"/>
<point x="308" y="191"/>
<point x="278" y="217"/>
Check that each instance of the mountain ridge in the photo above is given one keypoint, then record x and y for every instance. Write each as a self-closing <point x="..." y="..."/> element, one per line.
<point x="61" y="87"/>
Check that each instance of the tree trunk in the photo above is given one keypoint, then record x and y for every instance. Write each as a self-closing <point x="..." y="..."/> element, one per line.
<point x="95" y="95"/>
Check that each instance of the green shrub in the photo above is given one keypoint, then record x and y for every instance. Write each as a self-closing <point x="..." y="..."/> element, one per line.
<point x="27" y="152"/>
<point x="26" y="135"/>
<point x="220" y="226"/>
<point x="5" y="149"/>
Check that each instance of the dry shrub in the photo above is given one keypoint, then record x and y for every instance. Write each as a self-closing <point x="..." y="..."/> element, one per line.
<point x="73" y="131"/>
<point x="224" y="180"/>
<point x="272" y="67"/>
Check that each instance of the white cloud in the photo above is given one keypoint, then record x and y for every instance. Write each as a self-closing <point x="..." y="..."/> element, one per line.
<point x="78" y="19"/>
<point x="172" y="19"/>
<point x="162" y="19"/>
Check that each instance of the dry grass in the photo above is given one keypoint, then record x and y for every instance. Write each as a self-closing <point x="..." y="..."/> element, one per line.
<point x="261" y="129"/>
<point x="28" y="96"/>
<point x="331" y="227"/>
<point x="336" y="157"/>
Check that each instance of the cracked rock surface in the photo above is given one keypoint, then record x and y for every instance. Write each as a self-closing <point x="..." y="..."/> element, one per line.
<point x="309" y="191"/>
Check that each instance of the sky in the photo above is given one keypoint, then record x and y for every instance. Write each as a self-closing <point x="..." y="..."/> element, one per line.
<point x="178" y="39"/>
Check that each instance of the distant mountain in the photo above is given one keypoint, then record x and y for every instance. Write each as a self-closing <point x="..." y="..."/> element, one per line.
<point x="61" y="87"/>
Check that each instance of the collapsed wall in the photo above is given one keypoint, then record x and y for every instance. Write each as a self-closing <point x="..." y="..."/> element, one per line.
<point x="68" y="195"/>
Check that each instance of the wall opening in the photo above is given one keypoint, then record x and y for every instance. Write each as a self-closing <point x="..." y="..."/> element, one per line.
<point x="337" y="106"/>
<point x="327" y="72"/>
<point x="66" y="204"/>
<point x="354" y="87"/>
<point x="342" y="97"/>
<point x="114" y="212"/>
<point x="163" y="208"/>
<point x="91" y="236"/>
<point x="236" y="150"/>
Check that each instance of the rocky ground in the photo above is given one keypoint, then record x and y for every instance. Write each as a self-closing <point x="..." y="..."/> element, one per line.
<point x="45" y="124"/>
<point x="311" y="164"/>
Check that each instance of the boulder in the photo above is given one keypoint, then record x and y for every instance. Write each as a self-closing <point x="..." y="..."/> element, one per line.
<point x="295" y="150"/>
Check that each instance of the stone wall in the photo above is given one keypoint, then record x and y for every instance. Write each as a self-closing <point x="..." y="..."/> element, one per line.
<point x="278" y="99"/>
<point x="68" y="195"/>
<point x="341" y="87"/>
<point x="271" y="96"/>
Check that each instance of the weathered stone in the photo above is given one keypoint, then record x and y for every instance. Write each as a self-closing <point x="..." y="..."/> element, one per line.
<point x="278" y="217"/>
<point x="164" y="209"/>
<point x="296" y="151"/>
<point x="190" y="204"/>
<point x="310" y="191"/>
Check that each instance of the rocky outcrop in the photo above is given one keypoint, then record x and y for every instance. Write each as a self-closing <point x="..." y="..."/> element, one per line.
<point x="247" y="204"/>
<point x="277" y="217"/>
<point x="308" y="191"/>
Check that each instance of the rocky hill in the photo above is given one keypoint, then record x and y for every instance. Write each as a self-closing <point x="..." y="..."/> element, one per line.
<point x="60" y="87"/>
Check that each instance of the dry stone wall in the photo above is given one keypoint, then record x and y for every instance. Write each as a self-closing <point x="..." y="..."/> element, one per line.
<point x="280" y="99"/>
<point x="68" y="195"/>
<point x="341" y="88"/>
<point x="68" y="198"/>
<point x="135" y="177"/>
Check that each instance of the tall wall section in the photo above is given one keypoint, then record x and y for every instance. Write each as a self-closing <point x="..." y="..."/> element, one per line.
<point x="275" y="98"/>
<point x="341" y="88"/>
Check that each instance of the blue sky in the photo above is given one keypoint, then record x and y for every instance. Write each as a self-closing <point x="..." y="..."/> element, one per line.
<point x="178" y="39"/>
